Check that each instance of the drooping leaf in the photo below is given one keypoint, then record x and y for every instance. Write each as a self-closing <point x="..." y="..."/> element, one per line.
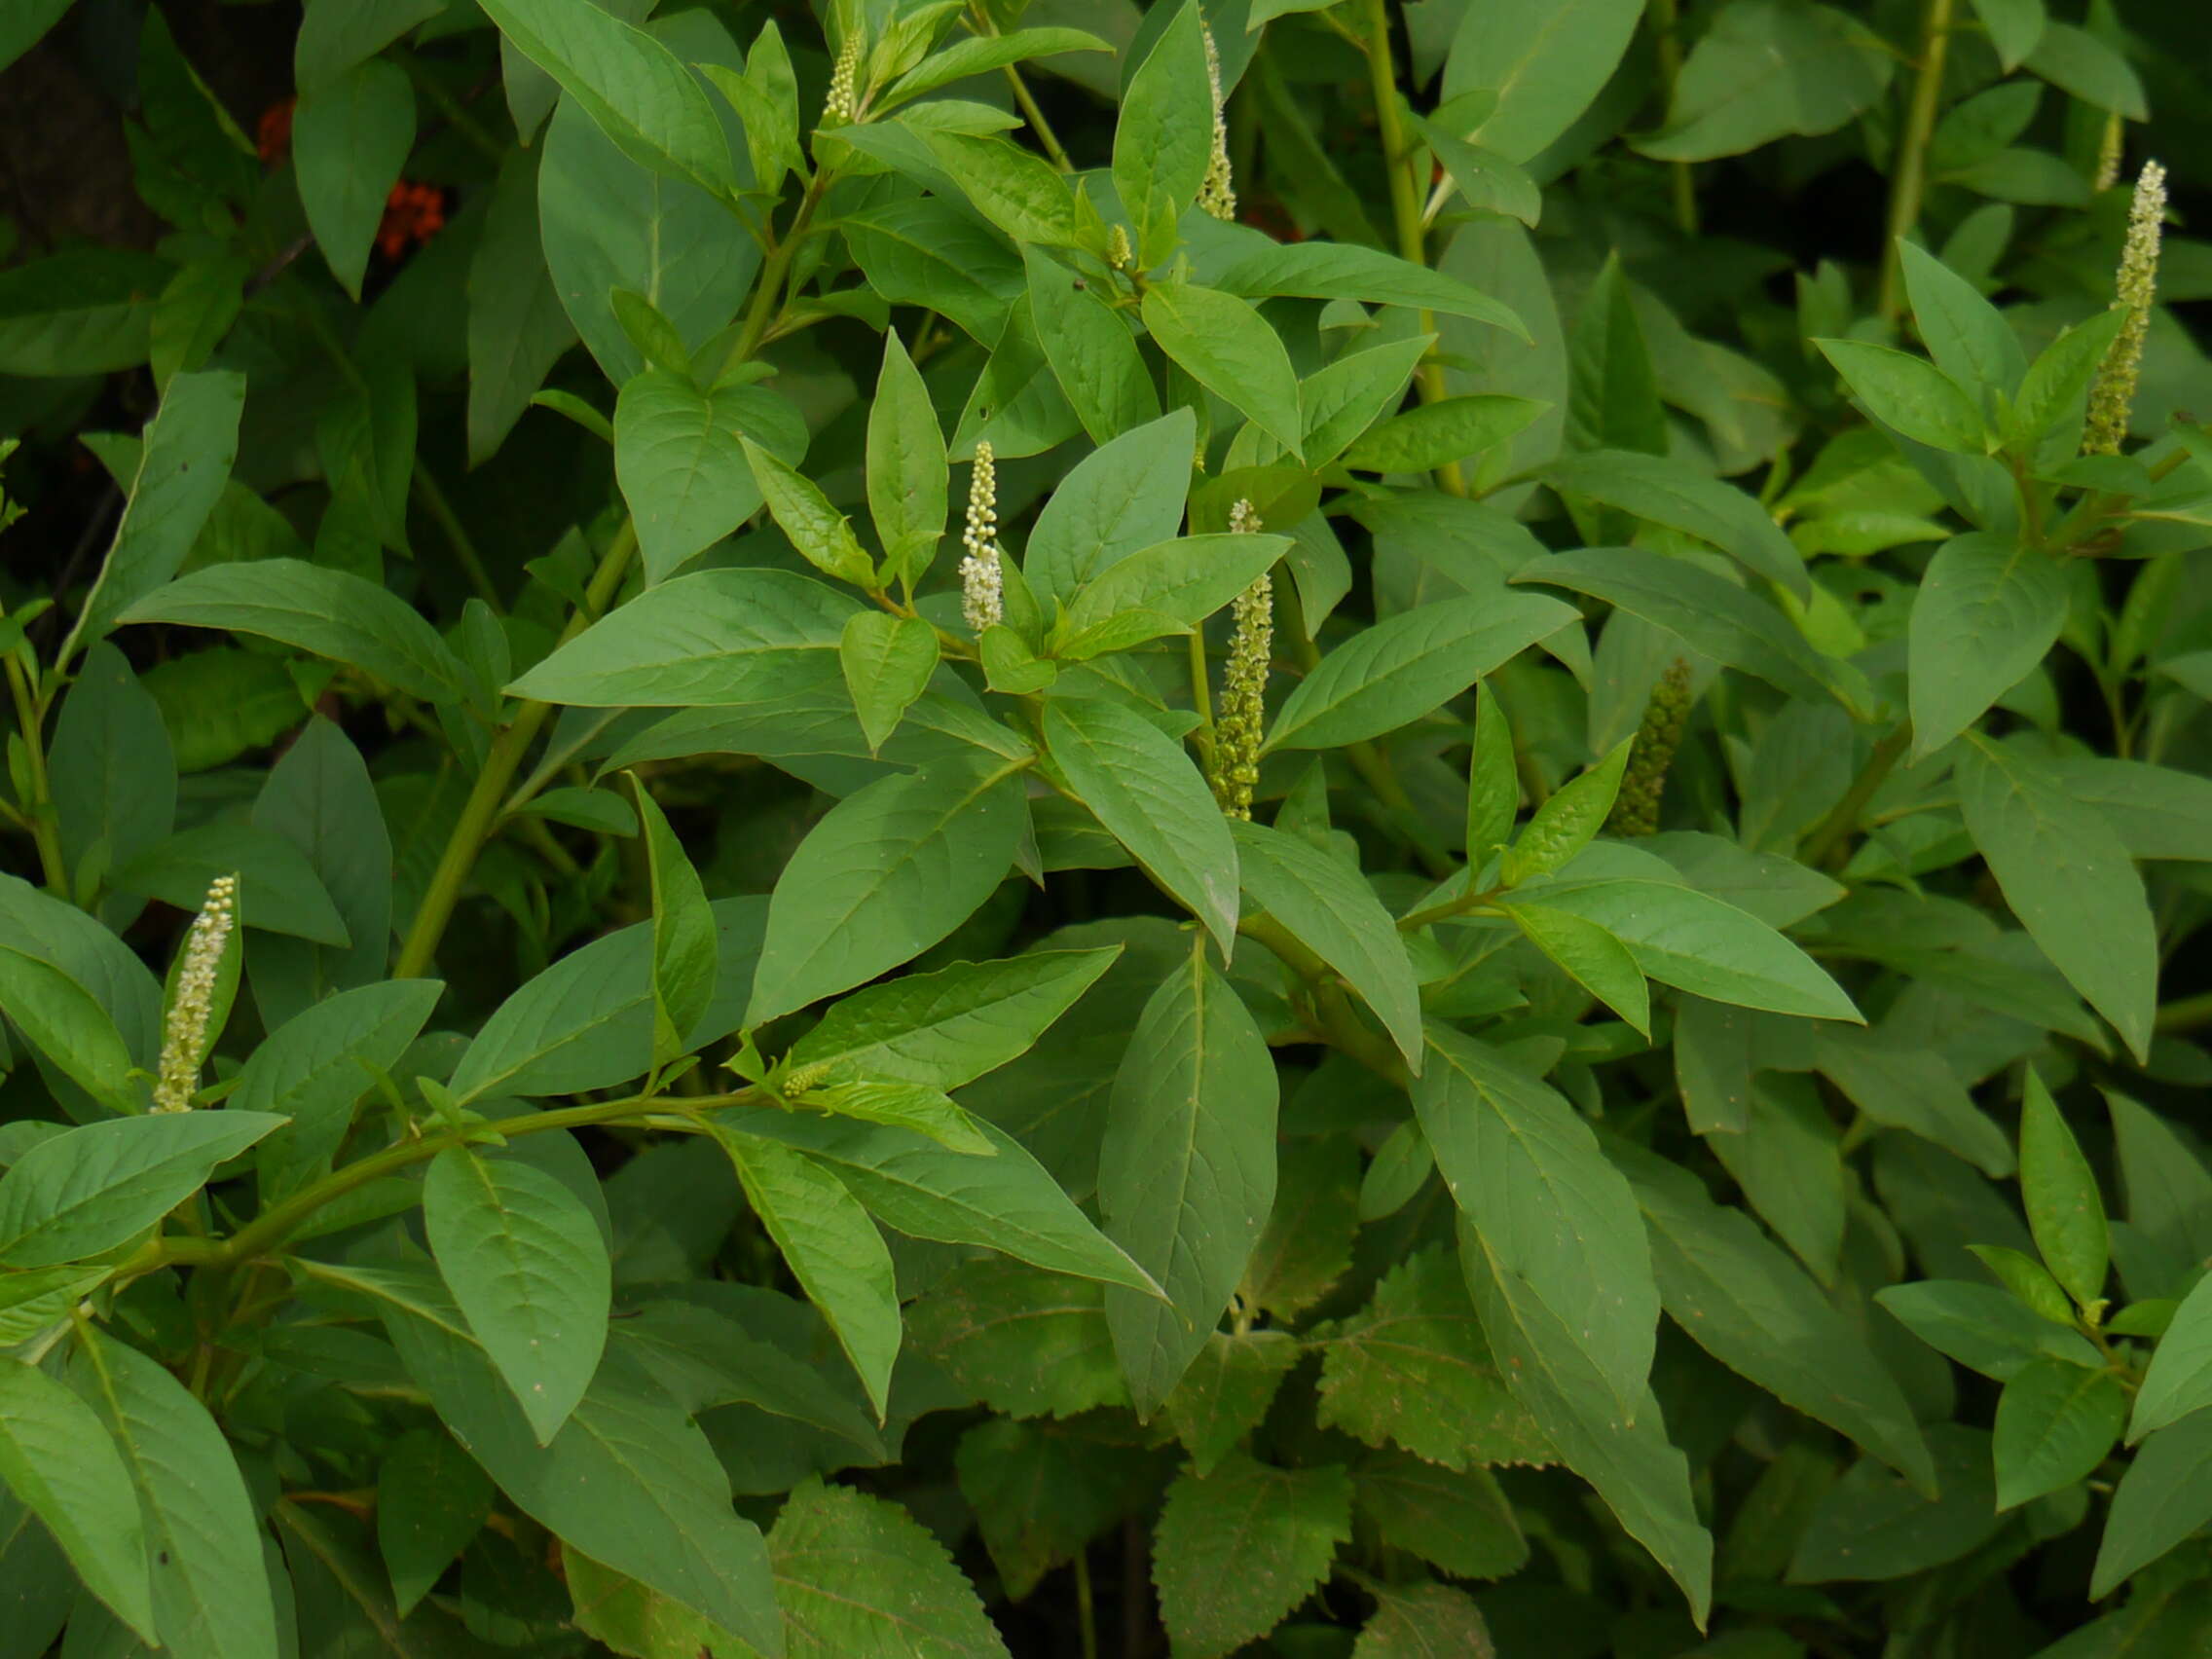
<point x="1236" y="1550"/>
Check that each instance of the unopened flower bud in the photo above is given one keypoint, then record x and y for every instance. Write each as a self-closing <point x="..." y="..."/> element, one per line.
<point x="2113" y="395"/>
<point x="1636" y="809"/>
<point x="184" y="1037"/>
<point x="1242" y="723"/>
<point x="2108" y="152"/>
<point x="983" y="583"/>
<point x="1118" y="251"/>
<point x="840" y="106"/>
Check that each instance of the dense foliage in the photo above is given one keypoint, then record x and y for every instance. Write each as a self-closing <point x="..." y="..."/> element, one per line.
<point x="1041" y="828"/>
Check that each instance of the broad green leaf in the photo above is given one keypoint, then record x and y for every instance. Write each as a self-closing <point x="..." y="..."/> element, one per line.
<point x="1144" y="789"/>
<point x="803" y="513"/>
<point x="1422" y="1621"/>
<point x="349" y="140"/>
<point x="1589" y="956"/>
<point x="1014" y="189"/>
<point x="978" y="54"/>
<point x="1902" y="1085"/>
<point x="1456" y="1520"/>
<point x="1412" y="1368"/>
<point x="2159" y="812"/>
<point x="2056" y="382"/>
<point x="587" y="1021"/>
<point x="859" y="1578"/>
<point x="1614" y="404"/>
<point x="712" y="1356"/>
<point x="2056" y="1422"/>
<point x="2014" y="27"/>
<point x="683" y="935"/>
<point x="1440" y="435"/>
<point x="886" y="873"/>
<point x="1238" y="1550"/>
<point x="2178" y="1379"/>
<point x="183" y="464"/>
<point x="1625" y="1455"/>
<point x="1227" y="1391"/>
<point x="1163" y="137"/>
<point x="1909" y="394"/>
<point x="431" y="1498"/>
<point x="1042" y="1490"/>
<point x="1744" y="1301"/>
<point x="64" y="1021"/>
<point x="1411" y="665"/>
<point x="1023" y="1341"/>
<point x="313" y="1068"/>
<point x="1341" y="399"/>
<point x="1983" y="1328"/>
<point x="1965" y="335"/>
<point x="1548" y="1207"/>
<point x="924" y="250"/>
<point x="1688" y="938"/>
<point x="320" y="799"/>
<point x="1305" y="1249"/>
<point x="1092" y="353"/>
<point x="278" y="888"/>
<point x="1494" y="784"/>
<point x="2082" y="63"/>
<point x="2059" y="1190"/>
<point x="916" y="1106"/>
<point x="886" y="662"/>
<point x="1228" y="348"/>
<point x="1331" y="911"/>
<point x="329" y="612"/>
<point x="1987" y="612"/>
<point x="831" y="1248"/>
<point x="90" y="1189"/>
<point x="525" y="1262"/>
<point x="1187" y="1174"/>
<point x="1765" y="69"/>
<point x="714" y="639"/>
<point x="56" y="1455"/>
<point x="1545" y="59"/>
<point x="2068" y="878"/>
<point x="83" y="312"/>
<point x="628" y="1480"/>
<point x="337" y="34"/>
<point x="1124" y="496"/>
<point x="211" y="1597"/>
<point x="1183" y="582"/>
<point x="25" y="24"/>
<point x="2165" y="1497"/>
<point x="636" y="90"/>
<point x="34" y="1299"/>
<point x="1568" y="821"/>
<point x="2169" y="1191"/>
<point x="1708" y="611"/>
<point x="1669" y="493"/>
<point x="948" y="1027"/>
<point x="680" y="458"/>
<point x="1871" y="1524"/>
<point x="194" y="314"/>
<point x="906" y="465"/>
<point x="1342" y="271"/>
<point x="633" y="1618"/>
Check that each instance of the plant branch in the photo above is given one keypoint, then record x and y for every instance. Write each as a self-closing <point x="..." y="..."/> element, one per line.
<point x="1909" y="177"/>
<point x="1831" y="833"/>
<point x="39" y="809"/>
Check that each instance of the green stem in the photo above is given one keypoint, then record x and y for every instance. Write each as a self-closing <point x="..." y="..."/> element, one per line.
<point x="1909" y="175"/>
<point x="1201" y="693"/>
<point x="1086" y="1609"/>
<point x="1667" y="20"/>
<point x="435" y="502"/>
<point x="39" y="809"/>
<point x="1829" y="835"/>
<point x="2184" y="1014"/>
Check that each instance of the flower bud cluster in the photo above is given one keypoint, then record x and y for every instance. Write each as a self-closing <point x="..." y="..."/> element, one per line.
<point x="184" y="1039"/>
<point x="1217" y="195"/>
<point x="1636" y="809"/>
<point x="1242" y="724"/>
<point x="843" y="103"/>
<point x="983" y="583"/>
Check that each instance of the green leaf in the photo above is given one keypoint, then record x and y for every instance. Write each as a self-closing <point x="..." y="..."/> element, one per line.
<point x="1144" y="789"/>
<point x="629" y="1480"/>
<point x="2082" y="63"/>
<point x="2169" y="1191"/>
<point x="1988" y="612"/>
<point x="1644" y="1480"/>
<point x="1305" y="1249"/>
<point x="2158" y="811"/>
<point x="85" y="311"/>
<point x="194" y="314"/>
<point x="1614" y="404"/>
<point x="886" y="873"/>
<point x="1410" y="665"/>
<point x="349" y="139"/>
<point x="25" y="26"/>
<point x="802" y="512"/>
<point x="2059" y="378"/>
<point x="1227" y="1391"/>
<point x="1589" y="956"/>
<point x="1669" y="493"/>
<point x="1456" y="1520"/>
<point x="1164" y="138"/>
<point x="1412" y="1368"/>
<point x="1440" y="435"/>
<point x="211" y="1598"/>
<point x="1187" y="1173"/>
<point x="1568" y="819"/>
<point x="1422" y="1621"/>
<point x="1494" y="784"/>
<point x="1902" y="1086"/>
<point x="334" y="37"/>
<point x="2068" y="878"/>
<point x="679" y="458"/>
<point x="1983" y="1328"/>
<point x="2165" y="1497"/>
<point x="90" y="1189"/>
<point x="1091" y="352"/>
<point x="1910" y="394"/>
<point x="329" y="612"/>
<point x="1707" y="610"/>
<point x="1183" y="582"/>
<point x="924" y="250"/>
<point x="2178" y="1379"/>
<point x="312" y="1069"/>
<point x="56" y="1455"/>
<point x="587" y="1021"/>
<point x="1123" y="496"/>
<point x="1549" y="1210"/>
<point x="1341" y="399"/>
<point x="1682" y="936"/>
<point x="906" y="465"/>
<point x="1342" y="271"/>
<point x="60" y="1017"/>
<point x="1023" y="1341"/>
<point x="1765" y="69"/>
<point x="714" y="639"/>
<point x="278" y="888"/>
<point x="2056" y="1422"/>
<point x="637" y="91"/>
<point x="1872" y="1525"/>
<point x="683" y="935"/>
<point x="432" y="1499"/>
<point x="948" y="1027"/>
<point x="831" y="1248"/>
<point x="1228" y="348"/>
<point x="1545" y="59"/>
<point x="859" y="1578"/>
<point x="979" y="54"/>
<point x="2059" y="1190"/>
<point x="886" y="662"/>
<point x="2014" y="27"/>
<point x="1014" y="189"/>
<point x="183" y="464"/>
<point x="1746" y="1303"/>
<point x="1969" y="338"/>
<point x="1330" y="910"/>
<point x="1238" y="1550"/>
<point x="916" y="1106"/>
<point x="524" y="1261"/>
<point x="1042" y="1490"/>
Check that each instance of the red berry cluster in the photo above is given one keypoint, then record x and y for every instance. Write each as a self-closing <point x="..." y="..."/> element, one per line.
<point x="413" y="213"/>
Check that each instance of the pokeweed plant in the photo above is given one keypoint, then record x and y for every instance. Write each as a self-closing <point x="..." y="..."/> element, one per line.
<point x="1397" y="1011"/>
